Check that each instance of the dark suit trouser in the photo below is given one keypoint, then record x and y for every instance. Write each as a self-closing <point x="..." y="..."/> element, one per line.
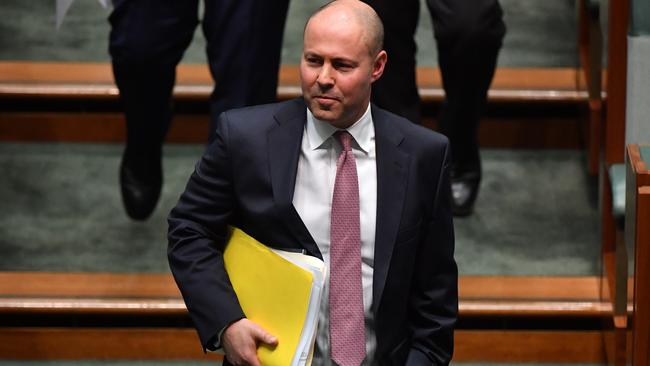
<point x="147" y="41"/>
<point x="469" y="34"/>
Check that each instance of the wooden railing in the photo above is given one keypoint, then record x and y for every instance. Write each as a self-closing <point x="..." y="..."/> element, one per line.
<point x="637" y="236"/>
<point x="590" y="46"/>
<point x="614" y="256"/>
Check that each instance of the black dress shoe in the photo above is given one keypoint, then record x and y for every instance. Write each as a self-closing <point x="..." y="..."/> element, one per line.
<point x="140" y="184"/>
<point x="464" y="189"/>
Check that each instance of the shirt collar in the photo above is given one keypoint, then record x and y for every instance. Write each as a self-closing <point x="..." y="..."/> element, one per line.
<point x="318" y="132"/>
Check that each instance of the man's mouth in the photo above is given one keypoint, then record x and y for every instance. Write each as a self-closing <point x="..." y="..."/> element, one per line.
<point x="326" y="99"/>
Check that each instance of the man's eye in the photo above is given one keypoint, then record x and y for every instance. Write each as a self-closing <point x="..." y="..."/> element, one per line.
<point x="313" y="61"/>
<point x="343" y="66"/>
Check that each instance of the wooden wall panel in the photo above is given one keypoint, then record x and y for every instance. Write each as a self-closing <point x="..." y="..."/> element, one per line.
<point x="101" y="344"/>
<point x="175" y="344"/>
<point x="641" y="320"/>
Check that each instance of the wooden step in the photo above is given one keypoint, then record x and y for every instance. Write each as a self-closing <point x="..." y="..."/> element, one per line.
<point x="157" y="294"/>
<point x="68" y="80"/>
<point x="536" y="129"/>
<point x="76" y="316"/>
<point x="77" y="102"/>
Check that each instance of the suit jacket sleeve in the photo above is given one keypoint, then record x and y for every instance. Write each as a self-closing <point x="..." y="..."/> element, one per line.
<point x="198" y="231"/>
<point x="434" y="296"/>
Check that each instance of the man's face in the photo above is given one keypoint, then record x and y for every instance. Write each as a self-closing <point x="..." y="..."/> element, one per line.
<point x="337" y="70"/>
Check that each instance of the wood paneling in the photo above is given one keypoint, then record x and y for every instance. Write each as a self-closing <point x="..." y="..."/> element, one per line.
<point x="108" y="127"/>
<point x="531" y="133"/>
<point x="89" y="285"/>
<point x="618" y="345"/>
<point x="101" y="344"/>
<point x="529" y="346"/>
<point x="616" y="81"/>
<point x="170" y="344"/>
<point x="641" y="319"/>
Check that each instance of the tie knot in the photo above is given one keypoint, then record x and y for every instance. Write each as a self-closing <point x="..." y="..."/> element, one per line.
<point x="345" y="139"/>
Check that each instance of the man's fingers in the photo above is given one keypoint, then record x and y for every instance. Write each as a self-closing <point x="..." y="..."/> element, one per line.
<point x="241" y="339"/>
<point x="252" y="360"/>
<point x="265" y="337"/>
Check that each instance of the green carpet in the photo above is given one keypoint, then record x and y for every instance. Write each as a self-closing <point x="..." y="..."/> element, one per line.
<point x="540" y="33"/>
<point x="62" y="212"/>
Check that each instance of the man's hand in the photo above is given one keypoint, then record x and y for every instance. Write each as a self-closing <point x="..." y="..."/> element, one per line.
<point x="240" y="342"/>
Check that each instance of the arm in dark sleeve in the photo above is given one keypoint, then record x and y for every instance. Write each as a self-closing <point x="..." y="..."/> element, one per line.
<point x="434" y="298"/>
<point x="198" y="231"/>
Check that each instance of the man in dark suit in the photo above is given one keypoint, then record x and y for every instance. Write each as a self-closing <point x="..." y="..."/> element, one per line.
<point x="469" y="34"/>
<point x="147" y="41"/>
<point x="277" y="172"/>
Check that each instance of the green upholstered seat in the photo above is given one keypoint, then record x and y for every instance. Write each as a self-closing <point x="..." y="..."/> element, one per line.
<point x="617" y="180"/>
<point x="645" y="155"/>
<point x="640" y="17"/>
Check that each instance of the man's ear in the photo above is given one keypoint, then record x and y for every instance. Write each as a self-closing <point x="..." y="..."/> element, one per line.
<point x="378" y="65"/>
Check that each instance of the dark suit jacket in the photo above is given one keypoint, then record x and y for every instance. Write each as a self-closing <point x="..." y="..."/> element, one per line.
<point x="246" y="179"/>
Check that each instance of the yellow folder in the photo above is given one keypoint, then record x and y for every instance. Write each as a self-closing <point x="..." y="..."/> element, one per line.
<point x="273" y="293"/>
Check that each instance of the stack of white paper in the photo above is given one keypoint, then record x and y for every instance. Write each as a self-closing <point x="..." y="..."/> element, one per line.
<point x="316" y="266"/>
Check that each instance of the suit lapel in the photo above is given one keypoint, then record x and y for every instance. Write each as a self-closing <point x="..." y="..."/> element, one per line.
<point x="284" y="150"/>
<point x="392" y="176"/>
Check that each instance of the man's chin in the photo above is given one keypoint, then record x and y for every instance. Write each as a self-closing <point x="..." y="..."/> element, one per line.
<point x="324" y="118"/>
<point x="324" y="114"/>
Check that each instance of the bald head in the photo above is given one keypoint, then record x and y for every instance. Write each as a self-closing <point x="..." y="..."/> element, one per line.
<point x="359" y="12"/>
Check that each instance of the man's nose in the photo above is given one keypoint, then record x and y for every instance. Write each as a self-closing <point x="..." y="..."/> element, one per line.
<point x="325" y="77"/>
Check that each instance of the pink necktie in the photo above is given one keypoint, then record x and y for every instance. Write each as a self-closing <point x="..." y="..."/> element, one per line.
<point x="347" y="331"/>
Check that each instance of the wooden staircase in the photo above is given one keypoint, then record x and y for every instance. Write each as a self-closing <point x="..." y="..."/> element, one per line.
<point x="102" y="316"/>
<point x="72" y="316"/>
<point x="41" y="101"/>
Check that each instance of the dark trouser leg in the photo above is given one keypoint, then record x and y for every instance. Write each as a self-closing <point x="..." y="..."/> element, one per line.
<point x="469" y="34"/>
<point x="244" y="47"/>
<point x="147" y="40"/>
<point x="396" y="90"/>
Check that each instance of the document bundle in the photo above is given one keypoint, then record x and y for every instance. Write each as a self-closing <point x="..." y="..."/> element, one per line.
<point x="280" y="291"/>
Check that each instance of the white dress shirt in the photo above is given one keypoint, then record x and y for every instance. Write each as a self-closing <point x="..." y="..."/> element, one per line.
<point x="312" y="199"/>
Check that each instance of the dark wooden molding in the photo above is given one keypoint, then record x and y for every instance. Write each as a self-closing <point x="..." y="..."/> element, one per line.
<point x="183" y="344"/>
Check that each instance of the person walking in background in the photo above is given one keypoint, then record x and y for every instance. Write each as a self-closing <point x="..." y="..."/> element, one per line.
<point x="147" y="41"/>
<point x="469" y="34"/>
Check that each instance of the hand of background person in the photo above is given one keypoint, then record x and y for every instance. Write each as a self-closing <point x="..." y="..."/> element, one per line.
<point x="240" y="341"/>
